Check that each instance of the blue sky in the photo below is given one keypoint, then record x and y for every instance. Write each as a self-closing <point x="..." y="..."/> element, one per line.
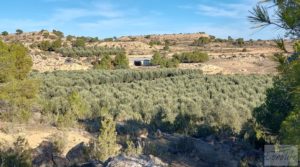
<point x="108" y="18"/>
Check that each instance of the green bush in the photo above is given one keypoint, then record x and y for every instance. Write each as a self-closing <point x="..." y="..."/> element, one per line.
<point x="17" y="156"/>
<point x="201" y="41"/>
<point x="59" y="142"/>
<point x="297" y="47"/>
<point x="50" y="46"/>
<point x="191" y="57"/>
<point x="70" y="37"/>
<point x="19" y="98"/>
<point x="169" y="63"/>
<point x="79" y="42"/>
<point x="44" y="45"/>
<point x="153" y="42"/>
<point x="17" y="93"/>
<point x="78" y="106"/>
<point x="14" y="62"/>
<point x="56" y="44"/>
<point x="58" y="33"/>
<point x="106" y="145"/>
<point x="46" y="34"/>
<point x="4" y="33"/>
<point x="105" y="63"/>
<point x="19" y="31"/>
<point x="156" y="59"/>
<point x="240" y="42"/>
<point x="121" y="62"/>
<point x="131" y="149"/>
<point x="164" y="62"/>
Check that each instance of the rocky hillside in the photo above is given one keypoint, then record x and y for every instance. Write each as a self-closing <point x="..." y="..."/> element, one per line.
<point x="250" y="57"/>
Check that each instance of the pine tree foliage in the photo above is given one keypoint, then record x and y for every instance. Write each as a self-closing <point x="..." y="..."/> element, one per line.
<point x="106" y="145"/>
<point x="286" y="17"/>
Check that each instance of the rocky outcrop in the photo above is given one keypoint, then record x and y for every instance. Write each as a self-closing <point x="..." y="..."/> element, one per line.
<point x="78" y="155"/>
<point x="45" y="155"/>
<point x="141" y="161"/>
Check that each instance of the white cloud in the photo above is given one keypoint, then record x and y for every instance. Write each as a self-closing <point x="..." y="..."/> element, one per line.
<point x="104" y="10"/>
<point x="219" y="9"/>
<point x="215" y="11"/>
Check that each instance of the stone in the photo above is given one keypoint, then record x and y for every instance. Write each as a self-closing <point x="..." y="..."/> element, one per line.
<point x="78" y="154"/>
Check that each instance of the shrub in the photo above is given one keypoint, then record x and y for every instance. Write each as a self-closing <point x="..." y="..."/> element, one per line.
<point x="4" y="33"/>
<point x="44" y="45"/>
<point x="297" y="47"/>
<point x="15" y="63"/>
<point x="16" y="92"/>
<point x="78" y="106"/>
<point x="166" y="47"/>
<point x="19" y="31"/>
<point x="201" y="41"/>
<point x="50" y="46"/>
<point x="56" y="44"/>
<point x="70" y="37"/>
<point x="105" y="63"/>
<point x="164" y="62"/>
<point x="106" y="146"/>
<point x="121" y="62"/>
<point x="58" y="33"/>
<point x="169" y="63"/>
<point x="147" y="36"/>
<point x="131" y="149"/>
<point x="46" y="34"/>
<point x="156" y="59"/>
<point x="154" y="42"/>
<point x="80" y="42"/>
<point x="59" y="142"/>
<point x="108" y="39"/>
<point x="17" y="156"/>
<point x="240" y="42"/>
<point x="191" y="57"/>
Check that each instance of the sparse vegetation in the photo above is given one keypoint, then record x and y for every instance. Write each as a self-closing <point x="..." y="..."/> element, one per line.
<point x="59" y="142"/>
<point x="50" y="46"/>
<point x="164" y="62"/>
<point x="240" y="42"/>
<point x="79" y="42"/>
<point x="191" y="57"/>
<point x="89" y="51"/>
<point x="153" y="42"/>
<point x="201" y="41"/>
<point x="58" y="33"/>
